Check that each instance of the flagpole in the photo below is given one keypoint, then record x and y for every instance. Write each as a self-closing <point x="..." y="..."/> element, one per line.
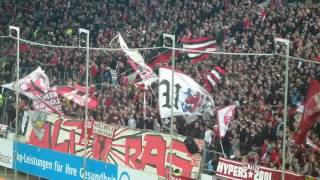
<point x="173" y="38"/>
<point x="285" y="113"/>
<point x="85" y="31"/>
<point x="144" y="105"/>
<point x="222" y="148"/>
<point x="17" y="29"/>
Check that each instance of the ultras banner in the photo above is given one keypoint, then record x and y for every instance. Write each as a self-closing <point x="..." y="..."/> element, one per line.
<point x="143" y="150"/>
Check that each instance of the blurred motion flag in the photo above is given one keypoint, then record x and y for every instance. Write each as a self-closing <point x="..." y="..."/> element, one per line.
<point x="136" y="61"/>
<point x="146" y="74"/>
<point x="200" y="44"/>
<point x="311" y="112"/>
<point x="33" y="85"/>
<point x="225" y="115"/>
<point x="212" y="77"/>
<point x="189" y="97"/>
<point x="36" y="87"/>
<point x="76" y="93"/>
<point x="132" y="54"/>
<point x="314" y="147"/>
<point x="163" y="57"/>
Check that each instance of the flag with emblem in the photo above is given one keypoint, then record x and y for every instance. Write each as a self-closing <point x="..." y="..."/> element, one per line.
<point x="225" y="115"/>
<point x="189" y="97"/>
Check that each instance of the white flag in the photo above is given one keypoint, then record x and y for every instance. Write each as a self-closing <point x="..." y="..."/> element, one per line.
<point x="224" y="117"/>
<point x="189" y="97"/>
<point x="33" y="85"/>
<point x="134" y="55"/>
<point x="136" y="60"/>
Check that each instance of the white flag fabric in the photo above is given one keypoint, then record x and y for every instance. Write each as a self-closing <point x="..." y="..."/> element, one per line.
<point x="189" y="97"/>
<point x="314" y="147"/>
<point x="224" y="117"/>
<point x="136" y="60"/>
<point x="145" y="73"/>
<point x="134" y="55"/>
<point x="33" y="85"/>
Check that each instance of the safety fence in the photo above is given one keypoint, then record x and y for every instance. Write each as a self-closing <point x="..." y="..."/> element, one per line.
<point x="244" y="71"/>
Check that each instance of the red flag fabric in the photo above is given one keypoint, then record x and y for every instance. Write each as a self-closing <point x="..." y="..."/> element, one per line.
<point x="76" y="94"/>
<point x="212" y="77"/>
<point x="311" y="112"/>
<point x="163" y="58"/>
<point x="200" y="44"/>
<point x="224" y="117"/>
<point x="146" y="74"/>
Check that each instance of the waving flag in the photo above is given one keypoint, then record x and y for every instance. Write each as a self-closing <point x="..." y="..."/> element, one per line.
<point x="311" y="112"/>
<point x="189" y="97"/>
<point x="162" y="58"/>
<point x="212" y="77"/>
<point x="36" y="87"/>
<point x="224" y="117"/>
<point x="33" y="85"/>
<point x="146" y="74"/>
<point x="77" y="94"/>
<point x="314" y="146"/>
<point x="137" y="62"/>
<point x="200" y="44"/>
<point x="134" y="55"/>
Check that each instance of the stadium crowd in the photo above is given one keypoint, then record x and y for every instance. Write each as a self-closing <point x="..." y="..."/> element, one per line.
<point x="255" y="83"/>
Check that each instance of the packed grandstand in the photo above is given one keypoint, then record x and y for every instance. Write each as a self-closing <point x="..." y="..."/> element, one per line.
<point x="254" y="83"/>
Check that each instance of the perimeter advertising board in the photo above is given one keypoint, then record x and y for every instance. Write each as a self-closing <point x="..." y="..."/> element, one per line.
<point x="6" y="153"/>
<point x="55" y="165"/>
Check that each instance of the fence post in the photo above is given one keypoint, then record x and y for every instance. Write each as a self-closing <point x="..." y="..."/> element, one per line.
<point x="17" y="29"/>
<point x="285" y="113"/>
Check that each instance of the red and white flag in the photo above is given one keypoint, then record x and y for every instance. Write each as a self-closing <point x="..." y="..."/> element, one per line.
<point x="200" y="44"/>
<point x="311" y="113"/>
<point x="224" y="117"/>
<point x="132" y="54"/>
<point x="33" y="85"/>
<point x="77" y="94"/>
<point x="36" y="87"/>
<point x="146" y="74"/>
<point x="212" y="77"/>
<point x="189" y="97"/>
<point x="48" y="102"/>
<point x="314" y="147"/>
<point x="163" y="58"/>
<point x="136" y="60"/>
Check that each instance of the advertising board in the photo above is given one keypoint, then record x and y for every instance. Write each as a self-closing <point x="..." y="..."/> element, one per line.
<point x="55" y="165"/>
<point x="6" y="153"/>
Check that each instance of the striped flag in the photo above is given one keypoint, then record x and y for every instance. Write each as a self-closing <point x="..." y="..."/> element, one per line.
<point x="200" y="44"/>
<point x="212" y="77"/>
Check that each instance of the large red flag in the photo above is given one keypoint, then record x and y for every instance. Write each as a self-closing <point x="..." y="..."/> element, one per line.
<point x="311" y="112"/>
<point x="76" y="93"/>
